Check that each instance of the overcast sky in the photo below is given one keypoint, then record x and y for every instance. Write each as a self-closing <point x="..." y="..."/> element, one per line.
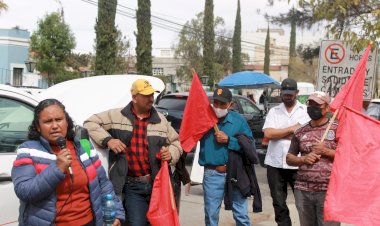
<point x="166" y="14"/>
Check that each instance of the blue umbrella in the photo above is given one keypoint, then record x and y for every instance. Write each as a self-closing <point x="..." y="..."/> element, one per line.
<point x="249" y="80"/>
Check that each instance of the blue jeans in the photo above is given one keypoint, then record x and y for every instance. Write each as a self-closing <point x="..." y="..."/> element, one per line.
<point x="137" y="197"/>
<point x="310" y="208"/>
<point x="213" y="188"/>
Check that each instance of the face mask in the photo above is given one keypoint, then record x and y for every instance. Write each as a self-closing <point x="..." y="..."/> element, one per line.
<point x="315" y="113"/>
<point x="289" y="103"/>
<point x="220" y="113"/>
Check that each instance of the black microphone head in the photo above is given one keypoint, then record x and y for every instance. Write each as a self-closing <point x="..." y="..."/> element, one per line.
<point x="61" y="142"/>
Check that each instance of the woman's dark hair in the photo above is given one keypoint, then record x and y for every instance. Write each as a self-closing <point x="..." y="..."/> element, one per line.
<point x="33" y="133"/>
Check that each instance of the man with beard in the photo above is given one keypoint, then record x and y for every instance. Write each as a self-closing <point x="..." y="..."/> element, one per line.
<point x="315" y="162"/>
<point x="137" y="136"/>
<point x="279" y="126"/>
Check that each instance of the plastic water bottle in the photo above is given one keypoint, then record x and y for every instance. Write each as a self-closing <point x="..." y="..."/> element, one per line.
<point x="109" y="210"/>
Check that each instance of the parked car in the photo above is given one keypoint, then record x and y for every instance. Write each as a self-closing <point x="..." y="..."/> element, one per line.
<point x="82" y="98"/>
<point x="173" y="105"/>
<point x="373" y="109"/>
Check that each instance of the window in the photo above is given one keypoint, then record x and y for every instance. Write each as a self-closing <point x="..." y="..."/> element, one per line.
<point x="158" y="71"/>
<point x="173" y="103"/>
<point x="17" y="76"/>
<point x="15" y="118"/>
<point x="248" y="107"/>
<point x="165" y="52"/>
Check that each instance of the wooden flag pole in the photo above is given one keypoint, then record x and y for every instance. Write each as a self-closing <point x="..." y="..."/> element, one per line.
<point x="216" y="128"/>
<point x="330" y="123"/>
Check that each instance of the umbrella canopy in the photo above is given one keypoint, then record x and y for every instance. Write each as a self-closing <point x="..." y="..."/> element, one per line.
<point x="249" y="80"/>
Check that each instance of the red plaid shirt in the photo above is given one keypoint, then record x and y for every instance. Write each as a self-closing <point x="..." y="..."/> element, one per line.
<point x="137" y="152"/>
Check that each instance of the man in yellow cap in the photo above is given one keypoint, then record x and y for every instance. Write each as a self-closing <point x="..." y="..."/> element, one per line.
<point x="136" y="136"/>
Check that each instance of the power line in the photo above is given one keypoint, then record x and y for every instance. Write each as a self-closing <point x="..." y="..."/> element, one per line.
<point x="166" y="26"/>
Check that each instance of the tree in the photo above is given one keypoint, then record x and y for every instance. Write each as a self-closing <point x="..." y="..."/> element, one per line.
<point x="295" y="18"/>
<point x="236" y="42"/>
<point x="51" y="44"/>
<point x="267" y="53"/>
<point x="144" y="38"/>
<point x="123" y="48"/>
<point x="3" y="6"/>
<point x="357" y="22"/>
<point x="105" y="41"/>
<point x="209" y="42"/>
<point x="223" y="54"/>
<point x="189" y="48"/>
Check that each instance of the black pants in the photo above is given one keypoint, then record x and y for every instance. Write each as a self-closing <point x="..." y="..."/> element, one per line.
<point x="278" y="180"/>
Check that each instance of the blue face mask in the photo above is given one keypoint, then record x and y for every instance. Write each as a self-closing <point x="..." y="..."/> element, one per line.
<point x="315" y="113"/>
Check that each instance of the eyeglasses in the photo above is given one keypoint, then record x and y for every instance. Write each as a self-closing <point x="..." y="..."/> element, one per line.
<point x="289" y="88"/>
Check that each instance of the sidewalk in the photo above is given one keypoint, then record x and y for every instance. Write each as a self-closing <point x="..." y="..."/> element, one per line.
<point x="192" y="208"/>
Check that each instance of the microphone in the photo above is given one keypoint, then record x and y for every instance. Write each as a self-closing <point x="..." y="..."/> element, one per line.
<point x="61" y="143"/>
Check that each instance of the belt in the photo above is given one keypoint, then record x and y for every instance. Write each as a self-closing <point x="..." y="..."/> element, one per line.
<point x="219" y="169"/>
<point x="142" y="179"/>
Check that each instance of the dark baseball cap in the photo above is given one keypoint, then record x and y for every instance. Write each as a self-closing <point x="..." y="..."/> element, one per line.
<point x="289" y="86"/>
<point x="222" y="94"/>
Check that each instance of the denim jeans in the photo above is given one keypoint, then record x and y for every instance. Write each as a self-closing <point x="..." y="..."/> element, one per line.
<point x="137" y="197"/>
<point x="310" y="208"/>
<point x="213" y="188"/>
<point x="278" y="180"/>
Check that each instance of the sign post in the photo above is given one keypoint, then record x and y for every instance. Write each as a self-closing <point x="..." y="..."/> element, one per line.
<point x="337" y="62"/>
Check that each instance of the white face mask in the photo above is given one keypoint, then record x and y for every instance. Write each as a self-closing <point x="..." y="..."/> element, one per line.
<point x="220" y="113"/>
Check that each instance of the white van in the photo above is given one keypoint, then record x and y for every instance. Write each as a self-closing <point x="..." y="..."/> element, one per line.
<point x="305" y="88"/>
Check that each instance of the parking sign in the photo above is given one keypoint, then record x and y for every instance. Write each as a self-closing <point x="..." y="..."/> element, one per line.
<point x="337" y="62"/>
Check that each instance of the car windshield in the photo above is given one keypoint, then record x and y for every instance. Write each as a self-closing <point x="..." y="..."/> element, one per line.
<point x="173" y="103"/>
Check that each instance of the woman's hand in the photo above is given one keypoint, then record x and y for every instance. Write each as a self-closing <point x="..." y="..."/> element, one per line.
<point x="64" y="159"/>
<point x="116" y="222"/>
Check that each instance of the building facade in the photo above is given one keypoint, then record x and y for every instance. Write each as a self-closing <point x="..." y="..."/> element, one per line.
<point x="14" y="51"/>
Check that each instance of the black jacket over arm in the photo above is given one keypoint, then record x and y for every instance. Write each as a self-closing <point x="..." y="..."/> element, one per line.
<point x="241" y="173"/>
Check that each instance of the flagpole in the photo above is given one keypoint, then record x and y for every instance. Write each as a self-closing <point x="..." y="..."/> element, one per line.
<point x="330" y="123"/>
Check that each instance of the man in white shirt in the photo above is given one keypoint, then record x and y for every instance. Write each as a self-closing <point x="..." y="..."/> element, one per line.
<point x="280" y="124"/>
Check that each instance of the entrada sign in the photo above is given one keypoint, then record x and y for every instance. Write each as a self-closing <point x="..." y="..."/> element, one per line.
<point x="337" y="62"/>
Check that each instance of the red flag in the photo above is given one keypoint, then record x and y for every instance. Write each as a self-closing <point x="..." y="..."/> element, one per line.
<point x="353" y="194"/>
<point x="162" y="207"/>
<point x="198" y="117"/>
<point x="351" y="94"/>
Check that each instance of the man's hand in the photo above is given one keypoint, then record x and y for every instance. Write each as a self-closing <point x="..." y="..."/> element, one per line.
<point x="165" y="154"/>
<point x="116" y="222"/>
<point x="311" y="158"/>
<point x="294" y="127"/>
<point x="116" y="146"/>
<point x="221" y="137"/>
<point x="319" y="149"/>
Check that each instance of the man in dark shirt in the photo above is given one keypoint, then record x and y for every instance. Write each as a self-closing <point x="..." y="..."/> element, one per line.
<point x="315" y="162"/>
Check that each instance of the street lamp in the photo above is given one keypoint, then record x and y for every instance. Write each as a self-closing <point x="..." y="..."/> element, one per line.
<point x="30" y="65"/>
<point x="204" y="79"/>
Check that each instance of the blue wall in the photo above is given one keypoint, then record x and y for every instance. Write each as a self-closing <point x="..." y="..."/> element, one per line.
<point x="14" y="44"/>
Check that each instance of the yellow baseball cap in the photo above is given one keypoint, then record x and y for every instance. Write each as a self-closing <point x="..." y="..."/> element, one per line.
<point x="143" y="87"/>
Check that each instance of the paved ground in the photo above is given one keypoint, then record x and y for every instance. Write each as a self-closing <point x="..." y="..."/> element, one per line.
<point x="192" y="208"/>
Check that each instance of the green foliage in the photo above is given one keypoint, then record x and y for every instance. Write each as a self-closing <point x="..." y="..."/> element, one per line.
<point x="236" y="42"/>
<point x="356" y="22"/>
<point x="223" y="55"/>
<point x="3" y="6"/>
<point x="76" y="60"/>
<point x="267" y="53"/>
<point x="144" y="38"/>
<point x="122" y="51"/>
<point x="51" y="44"/>
<point x="106" y="35"/>
<point x="209" y="42"/>
<point x="189" y="49"/>
<point x="65" y="76"/>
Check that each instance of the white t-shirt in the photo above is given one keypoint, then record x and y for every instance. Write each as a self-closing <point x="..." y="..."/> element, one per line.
<point x="279" y="118"/>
